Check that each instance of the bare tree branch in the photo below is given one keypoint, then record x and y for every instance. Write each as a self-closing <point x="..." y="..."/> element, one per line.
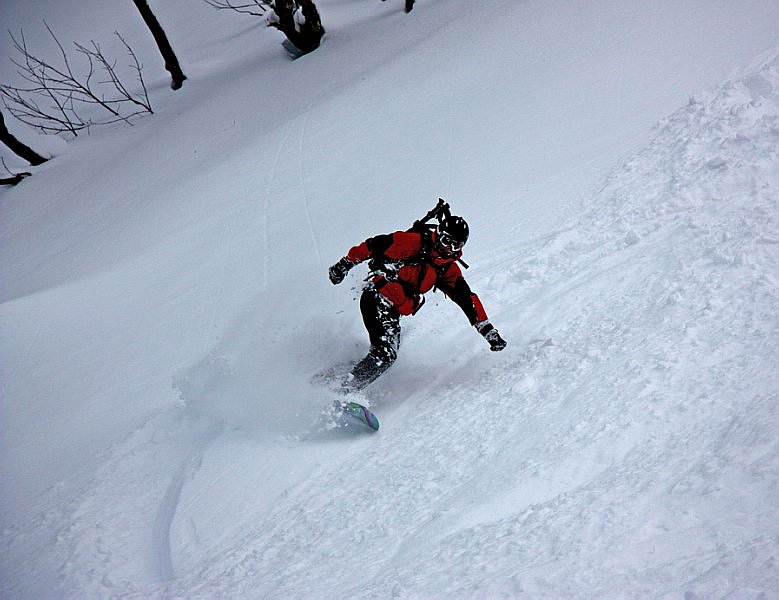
<point x="14" y="177"/>
<point x="56" y="94"/>
<point x="248" y="8"/>
<point x="137" y="67"/>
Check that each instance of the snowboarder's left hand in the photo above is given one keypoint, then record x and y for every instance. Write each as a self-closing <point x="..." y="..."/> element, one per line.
<point x="492" y="336"/>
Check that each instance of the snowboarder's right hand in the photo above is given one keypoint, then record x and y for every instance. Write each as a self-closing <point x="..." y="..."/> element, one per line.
<point x="496" y="342"/>
<point x="339" y="270"/>
<point x="492" y="336"/>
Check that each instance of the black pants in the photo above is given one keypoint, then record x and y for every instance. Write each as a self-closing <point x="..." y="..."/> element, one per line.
<point x="383" y="324"/>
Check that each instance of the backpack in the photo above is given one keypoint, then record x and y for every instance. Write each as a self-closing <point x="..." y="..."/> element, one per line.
<point x="388" y="269"/>
<point x="425" y="227"/>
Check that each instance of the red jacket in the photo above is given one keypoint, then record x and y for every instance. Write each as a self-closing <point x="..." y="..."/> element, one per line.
<point x="416" y="275"/>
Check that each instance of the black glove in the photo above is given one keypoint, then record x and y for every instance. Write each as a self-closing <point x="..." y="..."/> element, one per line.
<point x="491" y="334"/>
<point x="339" y="270"/>
<point x="497" y="343"/>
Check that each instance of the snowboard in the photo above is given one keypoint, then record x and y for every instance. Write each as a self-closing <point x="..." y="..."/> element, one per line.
<point x="357" y="412"/>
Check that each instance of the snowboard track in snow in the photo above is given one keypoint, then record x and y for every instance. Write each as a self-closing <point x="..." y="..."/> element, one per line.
<point x="166" y="511"/>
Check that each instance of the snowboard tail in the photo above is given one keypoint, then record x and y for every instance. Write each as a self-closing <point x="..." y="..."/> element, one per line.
<point x="360" y="413"/>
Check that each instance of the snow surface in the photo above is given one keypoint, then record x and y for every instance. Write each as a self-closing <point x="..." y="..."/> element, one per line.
<point x="165" y="306"/>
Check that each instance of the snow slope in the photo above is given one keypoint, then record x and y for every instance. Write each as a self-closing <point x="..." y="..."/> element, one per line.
<point x="165" y="307"/>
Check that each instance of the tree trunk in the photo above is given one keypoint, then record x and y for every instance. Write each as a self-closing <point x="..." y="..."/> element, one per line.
<point x="18" y="147"/>
<point x="309" y="35"/>
<point x="171" y="62"/>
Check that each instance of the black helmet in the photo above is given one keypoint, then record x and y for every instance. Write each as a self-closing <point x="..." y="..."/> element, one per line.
<point x="452" y="233"/>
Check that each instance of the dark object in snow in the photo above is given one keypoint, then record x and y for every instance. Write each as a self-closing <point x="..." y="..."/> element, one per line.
<point x="171" y="62"/>
<point x="404" y="266"/>
<point x="15" y="179"/>
<point x="292" y="50"/>
<point x="304" y="33"/>
<point x="17" y="147"/>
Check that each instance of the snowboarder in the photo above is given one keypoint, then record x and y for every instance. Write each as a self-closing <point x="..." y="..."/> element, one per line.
<point x="404" y="266"/>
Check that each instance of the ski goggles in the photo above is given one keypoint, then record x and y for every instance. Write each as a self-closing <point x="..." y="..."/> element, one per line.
<point x="448" y="242"/>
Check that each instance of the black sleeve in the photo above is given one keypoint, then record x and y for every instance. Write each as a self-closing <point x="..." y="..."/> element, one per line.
<point x="460" y="293"/>
<point x="379" y="244"/>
